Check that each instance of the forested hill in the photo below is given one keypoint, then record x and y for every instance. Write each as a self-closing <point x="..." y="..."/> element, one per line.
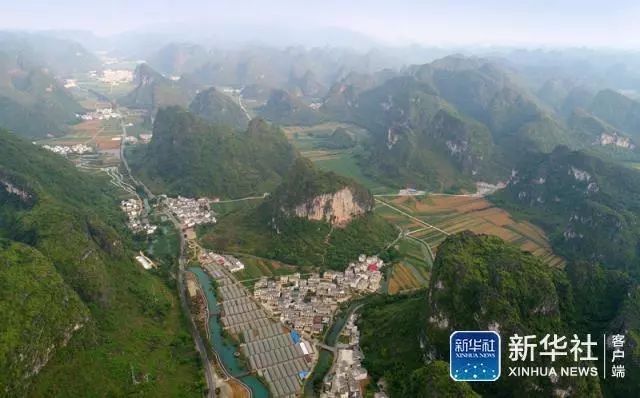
<point x="32" y="102"/>
<point x="189" y="156"/>
<point x="154" y="91"/>
<point x="218" y="108"/>
<point x="314" y="194"/>
<point x="483" y="283"/>
<point x="588" y="206"/>
<point x="76" y="309"/>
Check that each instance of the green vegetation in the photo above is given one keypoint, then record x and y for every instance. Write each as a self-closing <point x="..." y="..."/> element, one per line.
<point x="32" y="102"/>
<point x="478" y="282"/>
<point x="82" y="315"/>
<point x="304" y="182"/>
<point x="299" y="241"/>
<point x="153" y="91"/>
<point x="190" y="157"/>
<point x="587" y="206"/>
<point x="340" y="139"/>
<point x="346" y="164"/>
<point x="283" y="108"/>
<point x="391" y="328"/>
<point x="616" y="109"/>
<point x="49" y="310"/>
<point x="218" y="108"/>
<point x="420" y="139"/>
<point x="274" y="231"/>
<point x="178" y="58"/>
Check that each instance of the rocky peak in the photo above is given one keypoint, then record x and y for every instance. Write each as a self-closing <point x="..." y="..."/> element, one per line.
<point x="337" y="208"/>
<point x="322" y="196"/>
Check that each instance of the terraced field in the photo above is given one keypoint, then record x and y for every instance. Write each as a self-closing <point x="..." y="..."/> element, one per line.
<point x="405" y="277"/>
<point x="430" y="219"/>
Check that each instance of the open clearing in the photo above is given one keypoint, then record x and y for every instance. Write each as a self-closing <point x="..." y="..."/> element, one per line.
<point x="311" y="140"/>
<point x="429" y="219"/>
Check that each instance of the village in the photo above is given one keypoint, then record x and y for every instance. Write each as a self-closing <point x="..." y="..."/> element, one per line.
<point x="143" y="138"/>
<point x="190" y="212"/>
<point x="100" y="114"/>
<point x="347" y="373"/>
<point x="308" y="305"/>
<point x="137" y="221"/>
<point x="229" y="262"/>
<point x="78" y="149"/>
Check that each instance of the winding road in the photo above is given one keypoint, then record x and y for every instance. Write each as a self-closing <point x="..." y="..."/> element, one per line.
<point x="199" y="342"/>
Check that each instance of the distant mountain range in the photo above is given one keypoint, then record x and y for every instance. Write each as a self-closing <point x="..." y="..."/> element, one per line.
<point x="154" y="91"/>
<point x="32" y="102"/>
<point x="219" y="108"/>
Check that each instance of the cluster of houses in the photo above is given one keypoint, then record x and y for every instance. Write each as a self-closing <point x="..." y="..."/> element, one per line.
<point x="191" y="212"/>
<point x="100" y="114"/>
<point x="78" y="149"/>
<point x="141" y="139"/>
<point x="348" y="373"/>
<point x="229" y="262"/>
<point x="113" y="76"/>
<point x="134" y="209"/>
<point x="308" y="305"/>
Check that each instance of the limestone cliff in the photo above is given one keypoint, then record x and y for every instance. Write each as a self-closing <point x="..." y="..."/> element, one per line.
<point x="337" y="208"/>
<point x="316" y="195"/>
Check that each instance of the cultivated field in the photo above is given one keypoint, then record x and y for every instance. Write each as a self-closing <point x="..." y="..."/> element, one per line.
<point x="309" y="141"/>
<point x="430" y="219"/>
<point x="404" y="277"/>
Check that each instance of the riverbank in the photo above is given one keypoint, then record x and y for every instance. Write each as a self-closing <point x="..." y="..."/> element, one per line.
<point x="222" y="348"/>
<point x="326" y="359"/>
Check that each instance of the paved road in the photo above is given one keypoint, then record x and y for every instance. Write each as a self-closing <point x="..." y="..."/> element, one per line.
<point x="150" y="194"/>
<point x="412" y="217"/>
<point x="246" y="113"/>
<point x="200" y="345"/>
<point x="264" y="195"/>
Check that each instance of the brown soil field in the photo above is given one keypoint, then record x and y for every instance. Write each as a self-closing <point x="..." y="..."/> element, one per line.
<point x="104" y="143"/>
<point x="402" y="278"/>
<point x="238" y="390"/>
<point x="87" y="128"/>
<point x="457" y="213"/>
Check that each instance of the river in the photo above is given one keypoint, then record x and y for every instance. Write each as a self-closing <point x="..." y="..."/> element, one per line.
<point x="325" y="359"/>
<point x="225" y="351"/>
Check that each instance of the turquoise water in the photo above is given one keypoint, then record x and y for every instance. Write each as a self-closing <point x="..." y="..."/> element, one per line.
<point x="326" y="358"/>
<point x="225" y="351"/>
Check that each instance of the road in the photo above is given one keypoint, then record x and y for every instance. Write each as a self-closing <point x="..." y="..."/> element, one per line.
<point x="195" y="334"/>
<point x="246" y="113"/>
<point x="264" y="195"/>
<point x="123" y="158"/>
<point x="416" y="219"/>
<point x="200" y="345"/>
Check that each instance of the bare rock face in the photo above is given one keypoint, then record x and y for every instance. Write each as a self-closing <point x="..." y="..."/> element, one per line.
<point x="337" y="208"/>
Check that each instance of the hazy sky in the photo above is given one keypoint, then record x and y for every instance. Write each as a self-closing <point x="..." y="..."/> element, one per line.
<point x="562" y="22"/>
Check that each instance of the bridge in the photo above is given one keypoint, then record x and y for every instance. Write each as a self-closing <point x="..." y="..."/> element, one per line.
<point x="327" y="347"/>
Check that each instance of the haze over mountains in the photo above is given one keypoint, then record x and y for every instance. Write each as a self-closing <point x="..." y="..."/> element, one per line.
<point x="309" y="156"/>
